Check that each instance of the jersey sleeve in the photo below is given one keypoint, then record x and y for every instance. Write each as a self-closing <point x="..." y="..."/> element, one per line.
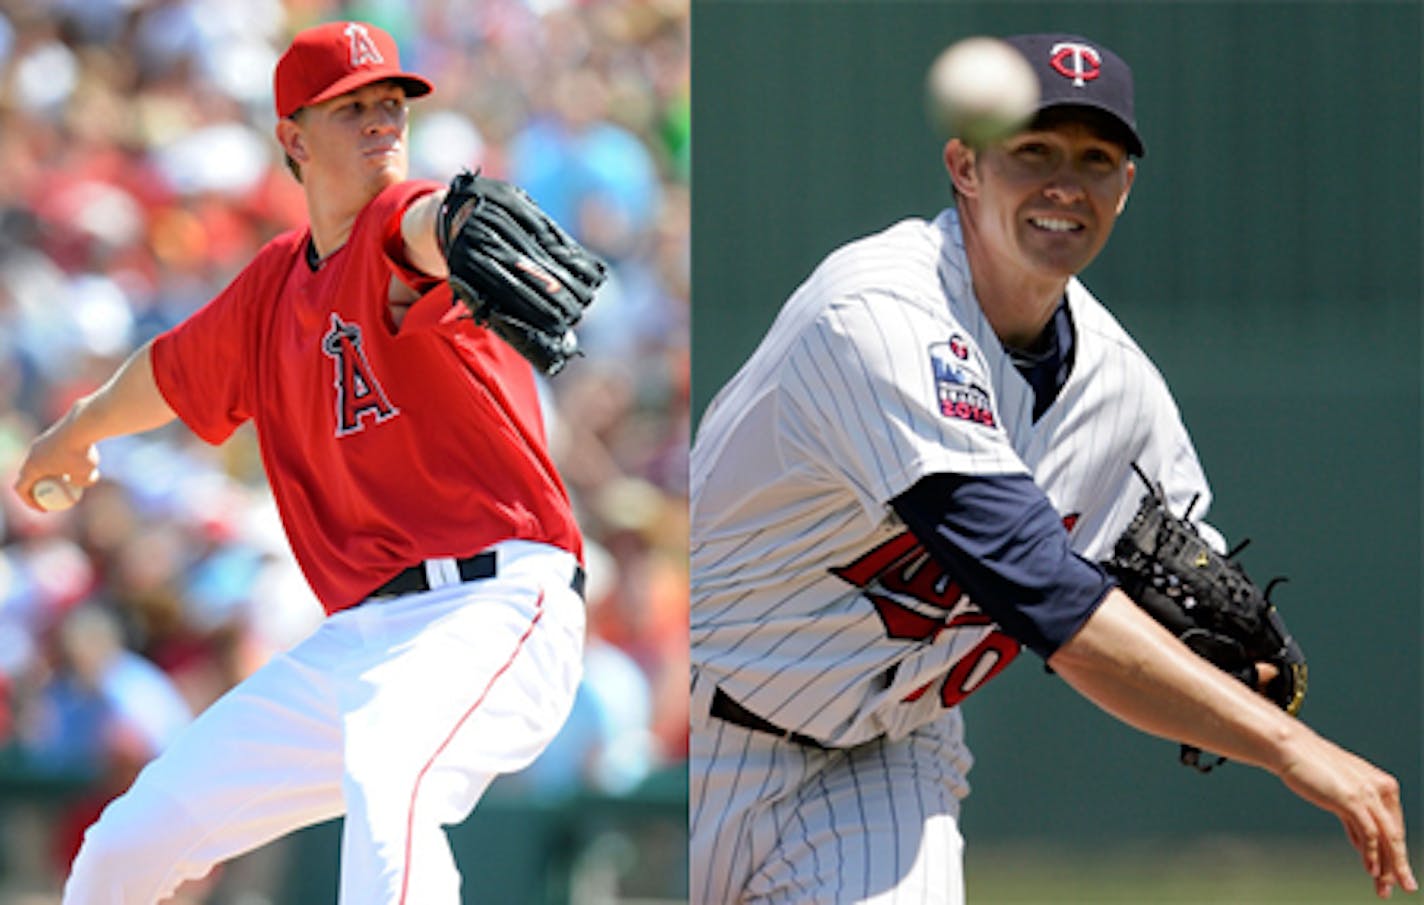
<point x="1006" y="546"/>
<point x="883" y="392"/>
<point x="201" y="366"/>
<point x="435" y="306"/>
<point x="394" y="203"/>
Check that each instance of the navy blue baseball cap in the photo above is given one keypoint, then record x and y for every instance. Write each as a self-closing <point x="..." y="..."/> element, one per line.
<point x="1074" y="71"/>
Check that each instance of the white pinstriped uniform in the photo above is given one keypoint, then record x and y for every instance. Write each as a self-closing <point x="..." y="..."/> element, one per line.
<point x="814" y="608"/>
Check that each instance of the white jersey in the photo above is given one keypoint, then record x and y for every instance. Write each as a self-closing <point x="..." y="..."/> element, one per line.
<point x="812" y="605"/>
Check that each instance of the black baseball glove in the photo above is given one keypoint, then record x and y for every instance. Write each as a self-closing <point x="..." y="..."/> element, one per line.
<point x="519" y="274"/>
<point x="1204" y="598"/>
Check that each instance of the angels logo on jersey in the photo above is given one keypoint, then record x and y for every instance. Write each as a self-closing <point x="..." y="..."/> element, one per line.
<point x="917" y="600"/>
<point x="958" y="387"/>
<point x="358" y="392"/>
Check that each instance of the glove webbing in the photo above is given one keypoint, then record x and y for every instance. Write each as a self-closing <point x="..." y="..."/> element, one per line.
<point x="1168" y="542"/>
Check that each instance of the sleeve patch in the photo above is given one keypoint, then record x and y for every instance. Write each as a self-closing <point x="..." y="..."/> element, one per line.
<point x="960" y="386"/>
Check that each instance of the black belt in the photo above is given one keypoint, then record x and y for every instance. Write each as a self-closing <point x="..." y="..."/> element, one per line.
<point x="472" y="568"/>
<point x="724" y="708"/>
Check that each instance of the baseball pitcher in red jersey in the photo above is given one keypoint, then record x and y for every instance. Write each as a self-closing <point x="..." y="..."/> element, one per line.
<point x="405" y="450"/>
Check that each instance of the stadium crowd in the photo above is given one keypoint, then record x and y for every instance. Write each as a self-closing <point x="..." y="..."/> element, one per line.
<point x="140" y="175"/>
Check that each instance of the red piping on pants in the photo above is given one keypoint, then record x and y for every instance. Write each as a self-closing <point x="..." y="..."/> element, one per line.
<point x="415" y="792"/>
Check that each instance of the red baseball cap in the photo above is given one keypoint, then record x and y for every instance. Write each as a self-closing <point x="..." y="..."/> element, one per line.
<point x="331" y="59"/>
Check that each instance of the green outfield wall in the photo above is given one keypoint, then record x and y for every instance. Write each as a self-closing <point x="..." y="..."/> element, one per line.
<point x="1269" y="261"/>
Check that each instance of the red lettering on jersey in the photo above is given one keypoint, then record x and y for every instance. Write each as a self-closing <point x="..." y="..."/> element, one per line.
<point x="910" y="592"/>
<point x="358" y="392"/>
<point x="988" y="658"/>
<point x="974" y="618"/>
<point x="913" y="597"/>
<point x="863" y="570"/>
<point x="904" y="623"/>
<point x="901" y="566"/>
<point x="917" y="693"/>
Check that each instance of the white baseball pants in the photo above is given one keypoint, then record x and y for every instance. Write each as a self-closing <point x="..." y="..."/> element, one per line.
<point x="397" y="713"/>
<point x="775" y="822"/>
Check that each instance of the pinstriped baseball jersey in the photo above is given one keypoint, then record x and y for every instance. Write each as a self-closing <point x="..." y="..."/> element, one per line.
<point x="812" y="605"/>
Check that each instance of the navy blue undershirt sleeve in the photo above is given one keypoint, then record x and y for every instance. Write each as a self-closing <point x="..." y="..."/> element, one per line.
<point x="1002" y="541"/>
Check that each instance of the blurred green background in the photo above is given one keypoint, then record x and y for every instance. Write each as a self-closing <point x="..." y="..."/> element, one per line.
<point x="1269" y="262"/>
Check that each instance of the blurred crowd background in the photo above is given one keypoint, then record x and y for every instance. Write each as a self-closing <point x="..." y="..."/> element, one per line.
<point x="139" y="175"/>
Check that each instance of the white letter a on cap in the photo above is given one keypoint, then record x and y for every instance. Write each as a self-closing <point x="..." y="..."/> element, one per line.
<point x="363" y="49"/>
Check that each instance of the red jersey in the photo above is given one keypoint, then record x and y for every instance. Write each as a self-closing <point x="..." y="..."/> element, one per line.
<point x="383" y="447"/>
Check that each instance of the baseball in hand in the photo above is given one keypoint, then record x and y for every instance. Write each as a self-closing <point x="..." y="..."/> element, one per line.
<point x="980" y="90"/>
<point x="55" y="494"/>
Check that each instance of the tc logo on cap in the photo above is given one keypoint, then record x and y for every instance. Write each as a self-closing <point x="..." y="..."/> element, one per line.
<point x="1079" y="62"/>
<point x="363" y="49"/>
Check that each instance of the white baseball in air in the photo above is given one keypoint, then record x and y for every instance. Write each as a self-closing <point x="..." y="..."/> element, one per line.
<point x="55" y="494"/>
<point x="980" y="89"/>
